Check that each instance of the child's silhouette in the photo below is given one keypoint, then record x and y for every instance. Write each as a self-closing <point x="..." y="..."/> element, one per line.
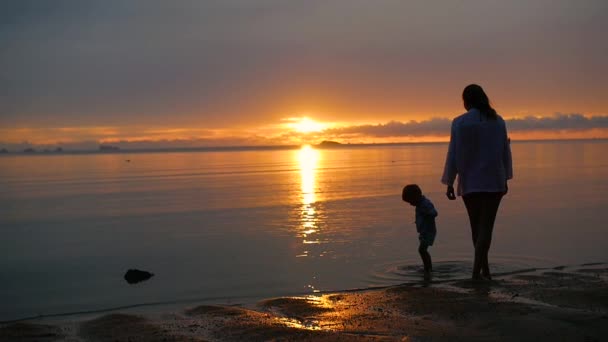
<point x="425" y="222"/>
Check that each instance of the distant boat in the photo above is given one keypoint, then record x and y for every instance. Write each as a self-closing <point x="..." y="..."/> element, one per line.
<point x="108" y="148"/>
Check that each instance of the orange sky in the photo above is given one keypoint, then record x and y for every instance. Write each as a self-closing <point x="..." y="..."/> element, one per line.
<point x="233" y="73"/>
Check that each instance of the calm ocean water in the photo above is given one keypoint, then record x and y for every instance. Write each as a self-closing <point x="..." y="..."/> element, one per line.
<point x="226" y="226"/>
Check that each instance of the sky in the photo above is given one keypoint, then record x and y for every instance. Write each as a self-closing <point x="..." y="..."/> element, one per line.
<point x="181" y="73"/>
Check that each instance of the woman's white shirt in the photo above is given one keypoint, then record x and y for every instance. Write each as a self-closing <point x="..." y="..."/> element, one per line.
<point x="479" y="154"/>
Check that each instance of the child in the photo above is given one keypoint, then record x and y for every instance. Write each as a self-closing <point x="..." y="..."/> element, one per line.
<point x="425" y="222"/>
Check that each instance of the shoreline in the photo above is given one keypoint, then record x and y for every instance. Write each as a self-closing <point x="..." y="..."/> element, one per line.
<point x="250" y="301"/>
<point x="563" y="302"/>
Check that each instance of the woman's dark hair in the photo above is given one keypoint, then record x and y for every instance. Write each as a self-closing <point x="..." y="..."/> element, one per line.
<point x="474" y="97"/>
<point x="410" y="192"/>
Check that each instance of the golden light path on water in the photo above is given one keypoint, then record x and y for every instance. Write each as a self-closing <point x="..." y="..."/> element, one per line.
<point x="308" y="159"/>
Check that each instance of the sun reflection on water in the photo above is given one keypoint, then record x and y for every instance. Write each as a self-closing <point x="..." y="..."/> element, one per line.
<point x="309" y="227"/>
<point x="308" y="157"/>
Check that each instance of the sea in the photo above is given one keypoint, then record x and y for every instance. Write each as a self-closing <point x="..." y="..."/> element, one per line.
<point x="232" y="226"/>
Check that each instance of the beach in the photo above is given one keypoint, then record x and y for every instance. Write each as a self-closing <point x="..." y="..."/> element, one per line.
<point x="563" y="303"/>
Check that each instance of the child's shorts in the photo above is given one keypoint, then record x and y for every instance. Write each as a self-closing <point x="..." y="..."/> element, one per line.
<point x="427" y="238"/>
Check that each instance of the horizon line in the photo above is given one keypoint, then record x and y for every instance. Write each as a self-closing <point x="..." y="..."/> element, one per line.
<point x="235" y="148"/>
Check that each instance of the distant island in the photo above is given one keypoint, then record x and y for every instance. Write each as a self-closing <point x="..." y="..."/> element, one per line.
<point x="329" y="143"/>
<point x="57" y="150"/>
<point x="33" y="150"/>
<point x="105" y="148"/>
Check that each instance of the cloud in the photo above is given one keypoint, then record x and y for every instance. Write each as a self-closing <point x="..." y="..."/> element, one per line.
<point x="434" y="126"/>
<point x="441" y="126"/>
<point x="558" y="121"/>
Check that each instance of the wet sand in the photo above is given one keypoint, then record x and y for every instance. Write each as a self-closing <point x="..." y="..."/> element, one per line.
<point x="561" y="304"/>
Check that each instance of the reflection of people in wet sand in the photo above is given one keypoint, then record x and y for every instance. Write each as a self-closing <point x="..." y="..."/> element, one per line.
<point x="480" y="155"/>
<point x="425" y="222"/>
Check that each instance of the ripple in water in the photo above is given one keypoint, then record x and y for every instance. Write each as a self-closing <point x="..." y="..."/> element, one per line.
<point x="410" y="271"/>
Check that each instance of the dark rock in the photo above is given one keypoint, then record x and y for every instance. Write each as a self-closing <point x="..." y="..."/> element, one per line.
<point x="134" y="276"/>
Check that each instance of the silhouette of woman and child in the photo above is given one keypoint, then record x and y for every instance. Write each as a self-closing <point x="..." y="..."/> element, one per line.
<point x="479" y="155"/>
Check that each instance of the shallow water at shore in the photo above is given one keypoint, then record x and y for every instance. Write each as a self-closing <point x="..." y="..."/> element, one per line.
<point x="214" y="226"/>
<point x="559" y="303"/>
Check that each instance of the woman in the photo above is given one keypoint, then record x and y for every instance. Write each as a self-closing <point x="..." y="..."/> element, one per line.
<point x="480" y="155"/>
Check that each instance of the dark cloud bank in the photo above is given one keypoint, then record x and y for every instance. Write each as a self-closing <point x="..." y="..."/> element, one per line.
<point x="441" y="126"/>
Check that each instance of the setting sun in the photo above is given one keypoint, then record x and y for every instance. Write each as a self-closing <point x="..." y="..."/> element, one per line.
<point x="306" y="125"/>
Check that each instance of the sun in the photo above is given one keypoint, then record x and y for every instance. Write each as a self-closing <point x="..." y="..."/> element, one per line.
<point x="306" y="125"/>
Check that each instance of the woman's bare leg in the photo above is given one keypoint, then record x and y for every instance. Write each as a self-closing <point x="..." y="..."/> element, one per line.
<point x="482" y="209"/>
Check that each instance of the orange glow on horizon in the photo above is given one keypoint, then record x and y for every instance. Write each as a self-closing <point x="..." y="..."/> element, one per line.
<point x="296" y="131"/>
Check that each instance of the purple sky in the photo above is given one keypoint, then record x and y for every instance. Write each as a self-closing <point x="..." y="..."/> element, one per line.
<point x="244" y="65"/>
